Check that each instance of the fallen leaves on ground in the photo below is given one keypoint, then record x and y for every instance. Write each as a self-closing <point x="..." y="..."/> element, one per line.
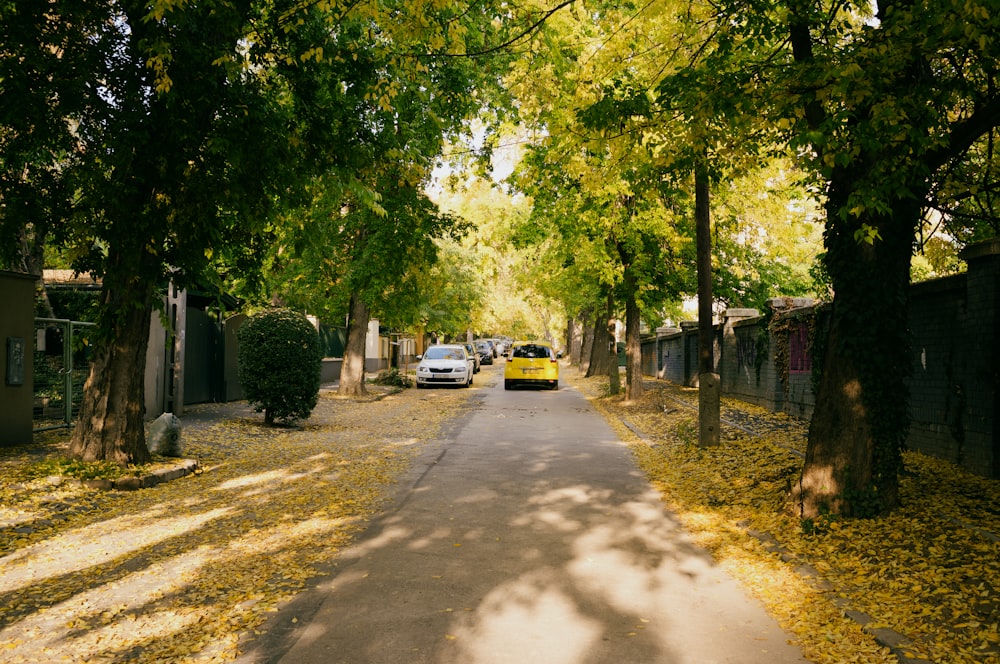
<point x="179" y="572"/>
<point x="930" y="571"/>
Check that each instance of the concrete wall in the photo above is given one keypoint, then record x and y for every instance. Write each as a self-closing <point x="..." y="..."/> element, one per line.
<point x="955" y="386"/>
<point x="955" y="383"/>
<point x="17" y="347"/>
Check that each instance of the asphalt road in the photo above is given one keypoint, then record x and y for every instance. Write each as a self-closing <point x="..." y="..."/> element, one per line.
<point x="526" y="536"/>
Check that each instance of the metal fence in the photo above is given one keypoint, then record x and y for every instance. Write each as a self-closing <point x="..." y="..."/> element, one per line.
<point x="61" y="364"/>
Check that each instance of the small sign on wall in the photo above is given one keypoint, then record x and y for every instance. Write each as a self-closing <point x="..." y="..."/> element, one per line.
<point x="15" y="361"/>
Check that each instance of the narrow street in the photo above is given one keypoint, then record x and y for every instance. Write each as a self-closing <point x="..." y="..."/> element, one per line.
<point x="525" y="535"/>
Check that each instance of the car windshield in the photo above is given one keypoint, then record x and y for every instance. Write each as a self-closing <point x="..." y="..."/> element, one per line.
<point x="531" y="352"/>
<point x="438" y="353"/>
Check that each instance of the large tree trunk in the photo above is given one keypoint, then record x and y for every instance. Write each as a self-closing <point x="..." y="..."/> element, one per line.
<point x="572" y="327"/>
<point x="110" y="423"/>
<point x="598" y="365"/>
<point x="858" y="429"/>
<point x="633" y="344"/>
<point x="614" y="381"/>
<point x="352" y="372"/>
<point x="577" y="334"/>
<point x="587" y="345"/>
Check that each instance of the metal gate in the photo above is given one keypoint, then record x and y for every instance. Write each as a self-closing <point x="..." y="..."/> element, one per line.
<point x="61" y="364"/>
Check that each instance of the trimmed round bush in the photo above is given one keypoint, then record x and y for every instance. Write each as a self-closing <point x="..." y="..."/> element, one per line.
<point x="280" y="359"/>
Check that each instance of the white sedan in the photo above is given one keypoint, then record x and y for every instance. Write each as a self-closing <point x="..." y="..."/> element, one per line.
<point x="447" y="364"/>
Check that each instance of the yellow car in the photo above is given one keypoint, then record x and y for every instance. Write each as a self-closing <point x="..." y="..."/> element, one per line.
<point x="531" y="363"/>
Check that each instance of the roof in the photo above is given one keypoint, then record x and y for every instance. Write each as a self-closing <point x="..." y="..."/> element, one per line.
<point x="69" y="278"/>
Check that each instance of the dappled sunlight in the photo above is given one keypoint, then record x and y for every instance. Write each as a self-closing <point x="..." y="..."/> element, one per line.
<point x="577" y="495"/>
<point x="94" y="545"/>
<point x="254" y="480"/>
<point x="91" y="620"/>
<point x="549" y="625"/>
<point x="180" y="571"/>
<point x="852" y="395"/>
<point x="430" y="539"/>
<point x="386" y="537"/>
<point x="259" y="543"/>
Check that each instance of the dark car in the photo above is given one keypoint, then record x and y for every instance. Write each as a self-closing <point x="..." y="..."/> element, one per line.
<point x="493" y="346"/>
<point x="470" y="348"/>
<point x="485" y="352"/>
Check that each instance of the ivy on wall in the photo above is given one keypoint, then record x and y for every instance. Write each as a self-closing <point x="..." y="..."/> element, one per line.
<point x="778" y="329"/>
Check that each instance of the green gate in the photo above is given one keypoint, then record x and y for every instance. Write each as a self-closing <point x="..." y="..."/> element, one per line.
<point x="61" y="364"/>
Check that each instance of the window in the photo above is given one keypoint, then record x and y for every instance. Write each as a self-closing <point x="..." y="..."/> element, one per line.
<point x="799" y="357"/>
<point x="532" y="352"/>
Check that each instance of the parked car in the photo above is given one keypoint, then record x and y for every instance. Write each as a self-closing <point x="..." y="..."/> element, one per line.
<point x="470" y="350"/>
<point x="493" y="346"/>
<point x="485" y="352"/>
<point x="531" y="363"/>
<point x="506" y="343"/>
<point x="445" y="364"/>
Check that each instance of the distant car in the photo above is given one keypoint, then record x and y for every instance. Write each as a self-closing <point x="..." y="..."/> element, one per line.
<point x="485" y="352"/>
<point x="493" y="346"/>
<point x="470" y="350"/>
<point x="446" y="364"/>
<point x="531" y="363"/>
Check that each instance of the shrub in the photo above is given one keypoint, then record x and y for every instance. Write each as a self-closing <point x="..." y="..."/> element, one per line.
<point x="280" y="360"/>
<point x="393" y="377"/>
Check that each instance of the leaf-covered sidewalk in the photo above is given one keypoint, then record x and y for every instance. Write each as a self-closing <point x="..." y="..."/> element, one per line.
<point x="189" y="570"/>
<point x="181" y="571"/>
<point x="929" y="573"/>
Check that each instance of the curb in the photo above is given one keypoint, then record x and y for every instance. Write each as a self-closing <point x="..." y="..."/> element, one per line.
<point x="889" y="638"/>
<point x="183" y="468"/>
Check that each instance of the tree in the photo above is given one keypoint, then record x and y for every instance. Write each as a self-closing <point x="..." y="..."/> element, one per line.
<point x="887" y="112"/>
<point x="280" y="361"/>
<point x="155" y="141"/>
<point x="371" y="243"/>
<point x="162" y="135"/>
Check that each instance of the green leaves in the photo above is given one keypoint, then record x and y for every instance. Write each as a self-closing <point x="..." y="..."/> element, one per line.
<point x="279" y="358"/>
<point x="866" y="234"/>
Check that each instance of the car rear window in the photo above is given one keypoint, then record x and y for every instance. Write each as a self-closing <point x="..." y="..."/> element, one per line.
<point x="531" y="352"/>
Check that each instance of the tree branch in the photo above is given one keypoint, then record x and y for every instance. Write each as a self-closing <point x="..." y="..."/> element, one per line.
<point x="499" y="47"/>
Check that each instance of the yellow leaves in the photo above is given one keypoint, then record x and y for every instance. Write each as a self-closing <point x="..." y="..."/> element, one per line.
<point x="178" y="573"/>
<point x="315" y="53"/>
<point x="930" y="571"/>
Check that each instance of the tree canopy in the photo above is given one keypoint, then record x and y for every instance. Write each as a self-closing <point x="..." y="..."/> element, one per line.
<point x="171" y="142"/>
